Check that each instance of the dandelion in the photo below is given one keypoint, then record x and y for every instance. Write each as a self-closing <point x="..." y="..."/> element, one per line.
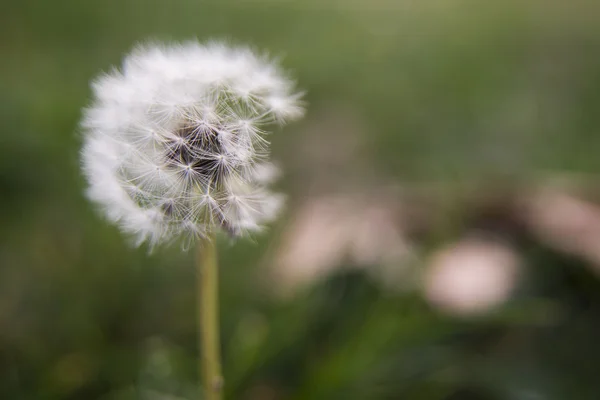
<point x="175" y="143"/>
<point x="175" y="146"/>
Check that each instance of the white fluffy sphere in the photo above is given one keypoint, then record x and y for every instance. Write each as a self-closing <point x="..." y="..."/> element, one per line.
<point x="174" y="143"/>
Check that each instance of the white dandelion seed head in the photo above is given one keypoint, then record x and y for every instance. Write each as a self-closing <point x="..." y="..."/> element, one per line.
<point x="175" y="142"/>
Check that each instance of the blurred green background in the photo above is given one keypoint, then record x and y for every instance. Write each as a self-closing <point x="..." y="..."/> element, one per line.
<point x="428" y="123"/>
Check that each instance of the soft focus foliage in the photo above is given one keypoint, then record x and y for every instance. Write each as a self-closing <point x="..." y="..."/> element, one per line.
<point x="438" y="123"/>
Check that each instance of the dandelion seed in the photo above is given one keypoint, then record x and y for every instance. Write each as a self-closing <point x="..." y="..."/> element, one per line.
<point x="174" y="143"/>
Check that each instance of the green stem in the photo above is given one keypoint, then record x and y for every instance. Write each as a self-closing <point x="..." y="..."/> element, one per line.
<point x="208" y="318"/>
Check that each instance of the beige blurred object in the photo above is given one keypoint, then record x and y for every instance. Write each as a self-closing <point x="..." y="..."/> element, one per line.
<point x="565" y="222"/>
<point x="353" y="218"/>
<point x="329" y="232"/>
<point x="471" y="277"/>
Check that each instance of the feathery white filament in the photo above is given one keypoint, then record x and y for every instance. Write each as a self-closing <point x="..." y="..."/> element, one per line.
<point x="174" y="144"/>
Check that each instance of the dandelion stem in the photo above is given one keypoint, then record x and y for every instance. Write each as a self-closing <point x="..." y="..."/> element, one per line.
<point x="208" y="318"/>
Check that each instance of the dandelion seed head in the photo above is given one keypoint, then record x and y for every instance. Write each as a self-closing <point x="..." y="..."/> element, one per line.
<point x="175" y="142"/>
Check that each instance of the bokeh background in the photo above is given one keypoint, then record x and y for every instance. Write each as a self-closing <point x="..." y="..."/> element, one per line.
<point x="442" y="234"/>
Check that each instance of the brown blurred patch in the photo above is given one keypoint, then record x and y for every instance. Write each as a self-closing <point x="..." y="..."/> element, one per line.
<point x="565" y="222"/>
